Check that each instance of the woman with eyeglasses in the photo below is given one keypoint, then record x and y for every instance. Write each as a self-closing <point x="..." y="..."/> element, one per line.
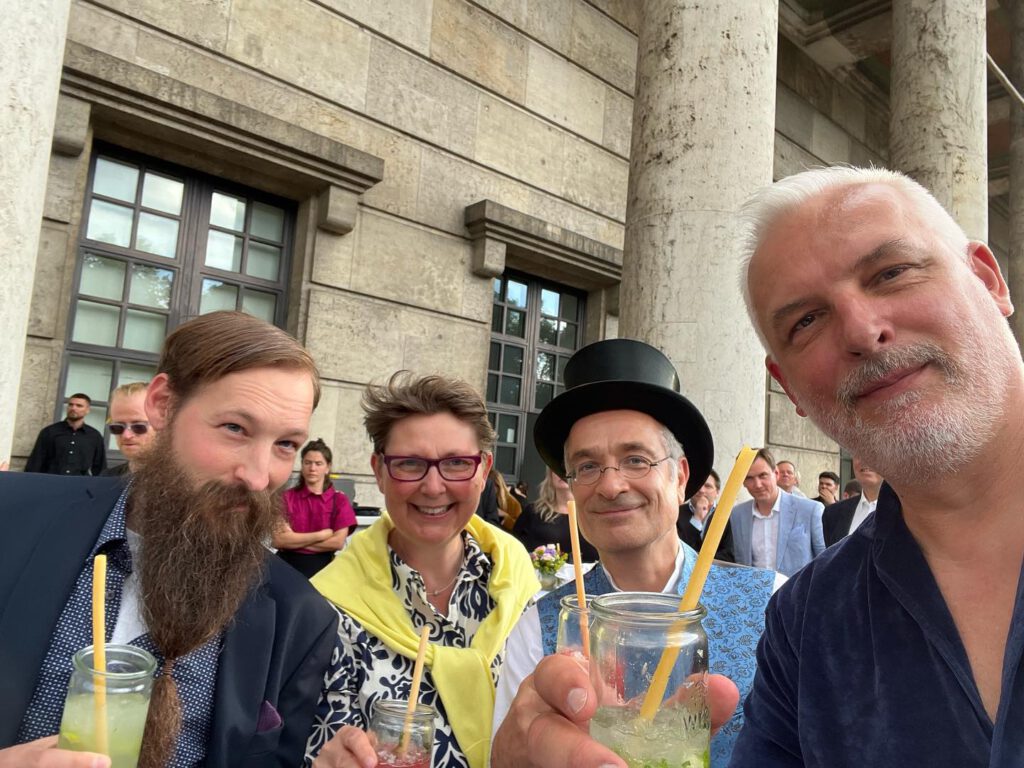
<point x="427" y="562"/>
<point x="128" y="423"/>
<point x="318" y="517"/>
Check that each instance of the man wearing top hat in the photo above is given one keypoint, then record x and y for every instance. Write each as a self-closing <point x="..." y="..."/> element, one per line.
<point x="633" y="449"/>
<point x="903" y="644"/>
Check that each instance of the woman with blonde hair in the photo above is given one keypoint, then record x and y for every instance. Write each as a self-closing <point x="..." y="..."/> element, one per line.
<point x="497" y="505"/>
<point x="546" y="521"/>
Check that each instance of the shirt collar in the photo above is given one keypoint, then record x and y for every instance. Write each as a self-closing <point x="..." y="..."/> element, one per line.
<point x="113" y="531"/>
<point x="867" y="506"/>
<point x="686" y="558"/>
<point x="775" y="507"/>
<point x="113" y="539"/>
<point x="475" y="564"/>
<point x="303" y="490"/>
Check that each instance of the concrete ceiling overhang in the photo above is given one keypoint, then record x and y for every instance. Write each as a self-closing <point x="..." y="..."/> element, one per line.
<point x="851" y="40"/>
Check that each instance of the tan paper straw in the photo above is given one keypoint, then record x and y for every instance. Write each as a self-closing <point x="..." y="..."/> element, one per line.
<point x="414" y="689"/>
<point x="581" y="592"/>
<point x="700" y="574"/>
<point x="99" y="650"/>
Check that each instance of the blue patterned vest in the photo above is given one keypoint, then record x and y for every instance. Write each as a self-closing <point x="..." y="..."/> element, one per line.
<point x="735" y="597"/>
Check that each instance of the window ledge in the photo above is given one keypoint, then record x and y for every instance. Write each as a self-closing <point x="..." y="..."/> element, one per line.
<point x="504" y="237"/>
<point x="231" y="139"/>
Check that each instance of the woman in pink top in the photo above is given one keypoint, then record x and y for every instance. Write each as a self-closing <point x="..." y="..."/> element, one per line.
<point x="317" y="517"/>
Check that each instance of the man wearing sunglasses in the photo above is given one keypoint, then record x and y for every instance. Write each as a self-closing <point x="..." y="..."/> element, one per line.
<point x="127" y="422"/>
<point x="241" y="639"/>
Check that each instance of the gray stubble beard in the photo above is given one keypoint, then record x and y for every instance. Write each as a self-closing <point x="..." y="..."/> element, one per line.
<point x="916" y="441"/>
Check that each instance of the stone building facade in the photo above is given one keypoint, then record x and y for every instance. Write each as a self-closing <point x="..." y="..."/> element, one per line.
<point x="433" y="185"/>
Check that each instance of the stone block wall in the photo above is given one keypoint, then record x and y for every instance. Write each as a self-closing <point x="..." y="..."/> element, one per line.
<point x="54" y="271"/>
<point x="527" y="103"/>
<point x="501" y="101"/>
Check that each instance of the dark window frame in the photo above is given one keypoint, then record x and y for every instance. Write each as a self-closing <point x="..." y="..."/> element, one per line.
<point x="188" y="266"/>
<point x="532" y="346"/>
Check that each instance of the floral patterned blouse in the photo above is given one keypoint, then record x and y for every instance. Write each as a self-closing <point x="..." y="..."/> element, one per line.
<point x="364" y="670"/>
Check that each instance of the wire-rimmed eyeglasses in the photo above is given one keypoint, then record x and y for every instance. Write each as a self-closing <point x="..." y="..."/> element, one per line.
<point x="409" y="469"/>
<point x="137" y="427"/>
<point x="631" y="467"/>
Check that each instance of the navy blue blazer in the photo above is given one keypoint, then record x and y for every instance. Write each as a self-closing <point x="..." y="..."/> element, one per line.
<point x="275" y="651"/>
<point x="836" y="519"/>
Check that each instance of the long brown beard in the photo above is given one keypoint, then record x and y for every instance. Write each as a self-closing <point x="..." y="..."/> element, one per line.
<point x="202" y="553"/>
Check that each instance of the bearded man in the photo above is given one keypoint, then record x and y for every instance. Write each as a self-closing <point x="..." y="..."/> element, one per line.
<point x="241" y="640"/>
<point x="886" y="326"/>
<point x="902" y="645"/>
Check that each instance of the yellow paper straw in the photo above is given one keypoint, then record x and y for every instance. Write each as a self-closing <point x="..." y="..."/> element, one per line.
<point x="581" y="592"/>
<point x="659" y="682"/>
<point x="414" y="690"/>
<point x="99" y="650"/>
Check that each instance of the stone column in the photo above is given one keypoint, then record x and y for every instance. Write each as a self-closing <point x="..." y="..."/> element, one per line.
<point x="703" y="141"/>
<point x="31" y="51"/>
<point x="938" y="118"/>
<point x="1015" y="258"/>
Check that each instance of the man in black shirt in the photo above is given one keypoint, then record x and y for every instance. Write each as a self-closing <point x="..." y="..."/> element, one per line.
<point x="69" y="447"/>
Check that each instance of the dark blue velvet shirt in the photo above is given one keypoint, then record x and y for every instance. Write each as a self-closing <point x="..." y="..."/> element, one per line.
<point x="861" y="665"/>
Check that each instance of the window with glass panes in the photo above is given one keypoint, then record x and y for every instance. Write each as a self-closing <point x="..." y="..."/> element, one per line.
<point x="535" y="328"/>
<point x="160" y="244"/>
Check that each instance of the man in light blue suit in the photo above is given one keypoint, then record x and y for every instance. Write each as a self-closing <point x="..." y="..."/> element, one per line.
<point x="775" y="529"/>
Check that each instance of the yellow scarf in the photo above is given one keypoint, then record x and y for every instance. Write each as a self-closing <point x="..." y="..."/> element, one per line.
<point x="359" y="582"/>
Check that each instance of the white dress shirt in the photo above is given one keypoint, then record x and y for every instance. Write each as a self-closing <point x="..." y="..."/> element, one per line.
<point x="130" y="624"/>
<point x="864" y="508"/>
<point x="764" y="536"/>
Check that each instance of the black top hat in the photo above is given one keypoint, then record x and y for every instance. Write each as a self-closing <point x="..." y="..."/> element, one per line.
<point x="630" y="375"/>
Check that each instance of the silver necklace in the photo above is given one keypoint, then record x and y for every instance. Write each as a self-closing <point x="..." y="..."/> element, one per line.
<point x="445" y="588"/>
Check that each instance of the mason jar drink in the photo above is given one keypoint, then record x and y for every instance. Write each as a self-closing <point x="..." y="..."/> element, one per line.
<point x="388" y="725"/>
<point x="569" y="638"/>
<point x="630" y="632"/>
<point x="128" y="683"/>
